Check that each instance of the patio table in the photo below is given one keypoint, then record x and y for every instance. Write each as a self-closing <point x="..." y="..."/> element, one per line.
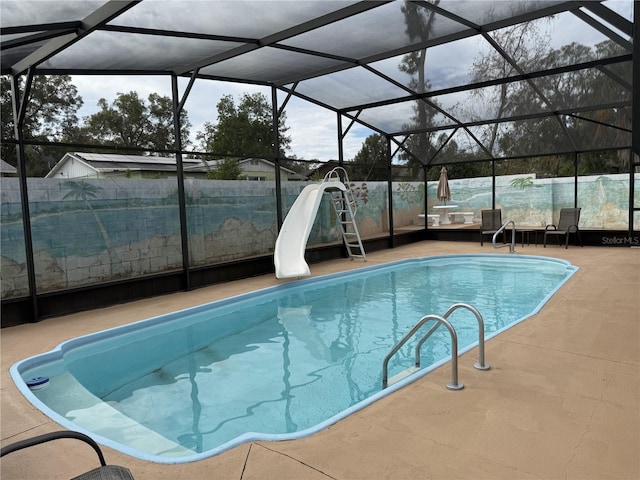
<point x="443" y="210"/>
<point x="525" y="231"/>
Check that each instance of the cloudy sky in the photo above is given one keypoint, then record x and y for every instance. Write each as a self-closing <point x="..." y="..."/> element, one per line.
<point x="313" y="129"/>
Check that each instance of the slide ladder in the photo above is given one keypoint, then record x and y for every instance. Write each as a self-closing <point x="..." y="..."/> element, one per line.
<point x="345" y="205"/>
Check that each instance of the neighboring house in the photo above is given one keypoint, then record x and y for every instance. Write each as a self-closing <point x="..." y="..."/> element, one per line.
<point x="107" y="165"/>
<point x="7" y="170"/>
<point x="260" y="169"/>
<point x="252" y="169"/>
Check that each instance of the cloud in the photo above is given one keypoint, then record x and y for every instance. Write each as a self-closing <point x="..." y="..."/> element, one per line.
<point x="314" y="131"/>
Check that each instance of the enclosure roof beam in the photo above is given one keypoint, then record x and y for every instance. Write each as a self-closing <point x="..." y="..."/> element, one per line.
<point x="93" y="21"/>
<point x="346" y="12"/>
<point x="519" y="118"/>
<point x="604" y="30"/>
<point x="494" y="82"/>
<point x="610" y="16"/>
<point x="35" y="38"/>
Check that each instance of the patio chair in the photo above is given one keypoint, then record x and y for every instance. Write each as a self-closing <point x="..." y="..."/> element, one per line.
<point x="491" y="223"/>
<point x="567" y="224"/>
<point x="104" y="472"/>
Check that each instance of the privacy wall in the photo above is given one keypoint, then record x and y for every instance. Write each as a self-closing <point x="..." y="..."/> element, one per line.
<point x="94" y="231"/>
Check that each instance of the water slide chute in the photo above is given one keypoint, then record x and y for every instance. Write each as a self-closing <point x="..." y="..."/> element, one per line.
<point x="292" y="239"/>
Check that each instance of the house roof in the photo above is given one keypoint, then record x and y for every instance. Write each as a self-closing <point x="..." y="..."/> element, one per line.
<point x="106" y="163"/>
<point x="265" y="162"/>
<point x="199" y="167"/>
<point x="347" y="56"/>
<point x="7" y="169"/>
<point x="109" y="162"/>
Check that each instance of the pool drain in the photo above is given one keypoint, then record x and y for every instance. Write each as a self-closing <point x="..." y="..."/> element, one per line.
<point x="191" y="444"/>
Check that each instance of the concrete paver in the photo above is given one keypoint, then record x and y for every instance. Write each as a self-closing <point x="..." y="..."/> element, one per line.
<point x="561" y="401"/>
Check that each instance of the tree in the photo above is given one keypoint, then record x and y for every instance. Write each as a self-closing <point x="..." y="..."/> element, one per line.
<point x="527" y="47"/>
<point x="298" y="166"/>
<point x="419" y="22"/>
<point x="245" y="130"/>
<point x="227" y="169"/>
<point x="51" y="115"/>
<point x="371" y="162"/>
<point x="132" y="122"/>
<point x="570" y="131"/>
<point x="462" y="166"/>
<point x="613" y="125"/>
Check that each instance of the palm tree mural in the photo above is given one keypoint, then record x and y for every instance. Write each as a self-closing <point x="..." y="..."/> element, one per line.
<point x="522" y="182"/>
<point x="526" y="183"/>
<point x="84" y="191"/>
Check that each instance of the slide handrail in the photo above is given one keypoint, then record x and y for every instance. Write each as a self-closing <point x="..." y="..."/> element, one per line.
<point x="337" y="174"/>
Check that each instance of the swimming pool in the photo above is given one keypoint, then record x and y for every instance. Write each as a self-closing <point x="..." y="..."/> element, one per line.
<point x="279" y="363"/>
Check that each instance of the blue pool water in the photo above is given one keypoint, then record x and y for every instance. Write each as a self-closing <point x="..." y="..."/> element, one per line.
<point x="278" y="363"/>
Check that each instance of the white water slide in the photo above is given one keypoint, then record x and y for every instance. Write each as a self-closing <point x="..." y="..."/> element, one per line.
<point x="292" y="239"/>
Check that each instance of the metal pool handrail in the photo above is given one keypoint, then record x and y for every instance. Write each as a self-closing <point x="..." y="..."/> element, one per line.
<point x="481" y="365"/>
<point x="512" y="245"/>
<point x="454" y="385"/>
<point x="441" y="320"/>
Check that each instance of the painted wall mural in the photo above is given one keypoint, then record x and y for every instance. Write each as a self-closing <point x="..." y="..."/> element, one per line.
<point x="90" y="231"/>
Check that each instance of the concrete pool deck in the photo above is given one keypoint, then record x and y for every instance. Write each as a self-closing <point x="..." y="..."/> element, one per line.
<point x="561" y="401"/>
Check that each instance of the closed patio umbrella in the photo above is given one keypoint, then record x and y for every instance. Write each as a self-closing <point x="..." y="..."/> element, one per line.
<point x="443" y="193"/>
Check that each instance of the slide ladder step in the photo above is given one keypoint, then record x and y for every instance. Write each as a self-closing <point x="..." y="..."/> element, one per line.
<point x="345" y="206"/>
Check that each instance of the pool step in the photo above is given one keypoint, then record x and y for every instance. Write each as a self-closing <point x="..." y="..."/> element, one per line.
<point x="89" y="414"/>
<point x="402" y="375"/>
